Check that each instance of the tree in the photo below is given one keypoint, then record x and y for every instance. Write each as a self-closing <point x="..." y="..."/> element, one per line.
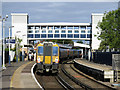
<point x="110" y="30"/>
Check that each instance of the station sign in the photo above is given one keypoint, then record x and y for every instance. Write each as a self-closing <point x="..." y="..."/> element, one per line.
<point x="12" y="41"/>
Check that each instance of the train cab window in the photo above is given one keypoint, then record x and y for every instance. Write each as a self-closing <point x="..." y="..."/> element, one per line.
<point x="40" y="51"/>
<point x="55" y="51"/>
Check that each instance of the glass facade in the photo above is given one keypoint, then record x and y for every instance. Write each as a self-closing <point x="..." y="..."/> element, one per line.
<point x="76" y="31"/>
<point x="30" y="31"/>
<point x="89" y="28"/>
<point x="37" y="31"/>
<point x="50" y="35"/>
<point x="70" y="31"/>
<point x="83" y="35"/>
<point x="57" y="31"/>
<point x="50" y="31"/>
<point x="63" y="31"/>
<point x="43" y="27"/>
<point x="82" y="27"/>
<point x="43" y="35"/>
<point x="76" y="35"/>
<point x="50" y="27"/>
<point x="30" y="35"/>
<point x="37" y="35"/>
<point x="89" y="36"/>
<point x="63" y="35"/>
<point x="83" y="31"/>
<point x="44" y="31"/>
<point x="56" y="35"/>
<point x="70" y="35"/>
<point x="70" y="27"/>
<point x="63" y="27"/>
<point x="56" y="27"/>
<point x="76" y="27"/>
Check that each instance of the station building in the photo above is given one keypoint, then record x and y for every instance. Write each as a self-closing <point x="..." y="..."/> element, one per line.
<point x="39" y="31"/>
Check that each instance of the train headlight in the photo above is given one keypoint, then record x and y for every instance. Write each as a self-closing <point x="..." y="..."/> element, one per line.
<point x="56" y="60"/>
<point x="38" y="61"/>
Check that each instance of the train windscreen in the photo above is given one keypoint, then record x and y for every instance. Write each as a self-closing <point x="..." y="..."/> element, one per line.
<point x="40" y="51"/>
<point x="55" y="51"/>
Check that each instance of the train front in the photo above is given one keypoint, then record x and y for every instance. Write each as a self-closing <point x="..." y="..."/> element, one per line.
<point x="48" y="57"/>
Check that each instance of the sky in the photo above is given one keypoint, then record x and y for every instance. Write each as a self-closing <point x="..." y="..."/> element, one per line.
<point x="43" y="12"/>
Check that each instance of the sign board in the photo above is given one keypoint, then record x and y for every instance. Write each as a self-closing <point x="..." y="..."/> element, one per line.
<point x="12" y="41"/>
<point x="116" y="61"/>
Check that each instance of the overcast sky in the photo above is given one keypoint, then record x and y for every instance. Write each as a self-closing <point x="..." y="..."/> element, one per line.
<point x="42" y="12"/>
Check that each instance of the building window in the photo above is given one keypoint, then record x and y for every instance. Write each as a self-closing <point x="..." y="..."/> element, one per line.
<point x="50" y="31"/>
<point x="30" y="27"/>
<point x="89" y="31"/>
<point x="70" y="27"/>
<point x="83" y="27"/>
<point x="70" y="35"/>
<point x="37" y="28"/>
<point x="50" y="35"/>
<point x="76" y="31"/>
<point x="89" y="28"/>
<point x="30" y="31"/>
<point x="89" y="36"/>
<point x="83" y="36"/>
<point x="43" y="35"/>
<point x="70" y="31"/>
<point x="37" y="35"/>
<point x="63" y="27"/>
<point x="83" y="31"/>
<point x="50" y="27"/>
<point x="56" y="35"/>
<point x="76" y="35"/>
<point x="63" y="35"/>
<point x="43" y="31"/>
<point x="37" y="31"/>
<point x="56" y="31"/>
<point x="63" y="31"/>
<point x="30" y="35"/>
<point x="56" y="27"/>
<point x="43" y="27"/>
<point x="76" y="27"/>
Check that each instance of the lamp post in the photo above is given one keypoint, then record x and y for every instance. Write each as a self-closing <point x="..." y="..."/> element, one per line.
<point x="17" y="47"/>
<point x="9" y="43"/>
<point x="23" y="48"/>
<point x="3" y="21"/>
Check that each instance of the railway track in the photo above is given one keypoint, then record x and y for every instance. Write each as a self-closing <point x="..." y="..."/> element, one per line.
<point x="82" y="80"/>
<point x="56" y="81"/>
<point x="68" y="78"/>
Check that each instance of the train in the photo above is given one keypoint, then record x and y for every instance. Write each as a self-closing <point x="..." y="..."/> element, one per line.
<point x="49" y="55"/>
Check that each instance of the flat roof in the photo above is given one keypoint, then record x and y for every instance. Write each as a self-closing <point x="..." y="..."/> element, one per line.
<point x="19" y="14"/>
<point x="97" y="13"/>
<point x="69" y="24"/>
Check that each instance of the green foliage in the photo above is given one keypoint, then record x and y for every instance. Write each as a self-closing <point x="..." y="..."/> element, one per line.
<point x="110" y="30"/>
<point x="79" y="41"/>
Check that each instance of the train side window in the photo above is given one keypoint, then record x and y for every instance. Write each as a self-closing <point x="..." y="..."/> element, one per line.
<point x="55" y="51"/>
<point x="40" y="51"/>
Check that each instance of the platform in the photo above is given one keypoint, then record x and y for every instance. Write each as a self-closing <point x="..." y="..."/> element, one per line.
<point x="98" y="71"/>
<point x="21" y="77"/>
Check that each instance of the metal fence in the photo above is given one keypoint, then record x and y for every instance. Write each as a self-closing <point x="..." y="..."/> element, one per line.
<point x="103" y="57"/>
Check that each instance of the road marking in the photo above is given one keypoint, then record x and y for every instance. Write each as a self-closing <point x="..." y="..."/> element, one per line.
<point x="34" y="77"/>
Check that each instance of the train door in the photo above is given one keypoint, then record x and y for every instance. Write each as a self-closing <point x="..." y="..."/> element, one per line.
<point x="47" y="53"/>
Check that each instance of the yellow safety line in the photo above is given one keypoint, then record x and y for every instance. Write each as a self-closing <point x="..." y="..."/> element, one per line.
<point x="11" y="82"/>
